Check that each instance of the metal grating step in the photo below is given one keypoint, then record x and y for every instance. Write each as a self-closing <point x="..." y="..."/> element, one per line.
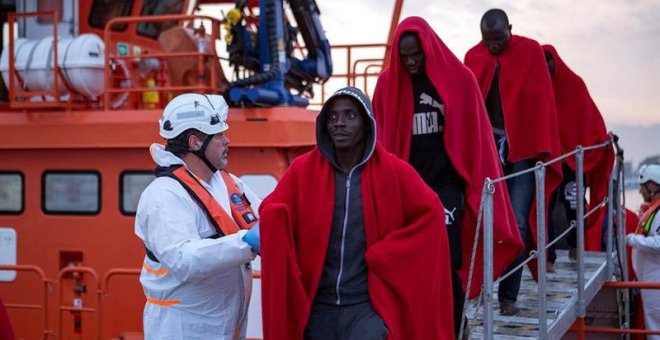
<point x="561" y="300"/>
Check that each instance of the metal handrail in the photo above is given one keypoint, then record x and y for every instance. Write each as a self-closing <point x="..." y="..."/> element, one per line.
<point x="581" y="329"/>
<point x="349" y="75"/>
<point x="105" y="283"/>
<point x="486" y="200"/>
<point x="366" y="75"/>
<point x="14" y="77"/>
<point x="44" y="305"/>
<point x="62" y="308"/>
<point x="360" y="61"/>
<point x="107" y="36"/>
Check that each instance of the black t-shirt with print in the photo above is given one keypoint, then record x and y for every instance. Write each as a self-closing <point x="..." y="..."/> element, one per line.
<point x="429" y="157"/>
<point x="427" y="148"/>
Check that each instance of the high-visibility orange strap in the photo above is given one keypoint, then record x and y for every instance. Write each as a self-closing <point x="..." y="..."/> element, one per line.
<point x="643" y="222"/>
<point x="240" y="207"/>
<point x="150" y="270"/>
<point x="224" y="221"/>
<point x="164" y="303"/>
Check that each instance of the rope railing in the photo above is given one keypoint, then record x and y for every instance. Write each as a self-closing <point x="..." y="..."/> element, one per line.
<point x="533" y="254"/>
<point x="488" y="186"/>
<point x="596" y="207"/>
<point x="570" y="227"/>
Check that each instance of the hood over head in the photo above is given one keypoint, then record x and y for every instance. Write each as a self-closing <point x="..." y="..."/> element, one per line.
<point x="323" y="139"/>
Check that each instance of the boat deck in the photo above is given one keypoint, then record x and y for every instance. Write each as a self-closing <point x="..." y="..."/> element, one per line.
<point x="561" y="300"/>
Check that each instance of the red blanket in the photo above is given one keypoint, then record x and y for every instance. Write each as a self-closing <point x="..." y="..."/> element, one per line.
<point x="582" y="124"/>
<point x="527" y="96"/>
<point x="468" y="138"/>
<point x="407" y="248"/>
<point x="6" y="331"/>
<point x="528" y="102"/>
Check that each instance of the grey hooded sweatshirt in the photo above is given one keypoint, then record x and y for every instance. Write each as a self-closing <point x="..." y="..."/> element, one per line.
<point x="344" y="277"/>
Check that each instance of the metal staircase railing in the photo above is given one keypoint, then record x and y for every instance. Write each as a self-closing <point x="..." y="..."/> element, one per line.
<point x="595" y="281"/>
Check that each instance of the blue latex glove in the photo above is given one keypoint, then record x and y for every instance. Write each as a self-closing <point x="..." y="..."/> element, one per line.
<point x="252" y="238"/>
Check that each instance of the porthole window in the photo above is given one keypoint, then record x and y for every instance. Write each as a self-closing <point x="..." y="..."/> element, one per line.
<point x="12" y="192"/>
<point x="71" y="192"/>
<point x="131" y="186"/>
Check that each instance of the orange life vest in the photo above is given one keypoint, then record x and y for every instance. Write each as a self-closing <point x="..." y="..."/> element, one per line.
<point x="645" y="221"/>
<point x="244" y="216"/>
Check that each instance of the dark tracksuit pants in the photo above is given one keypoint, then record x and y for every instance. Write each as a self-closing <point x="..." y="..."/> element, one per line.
<point x="559" y="198"/>
<point x="351" y="322"/>
<point x="452" y="198"/>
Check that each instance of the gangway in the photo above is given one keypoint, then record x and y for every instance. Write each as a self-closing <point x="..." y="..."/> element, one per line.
<point x="557" y="300"/>
<point x="561" y="306"/>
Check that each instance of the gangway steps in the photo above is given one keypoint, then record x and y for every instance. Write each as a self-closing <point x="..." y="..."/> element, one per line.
<point x="561" y="300"/>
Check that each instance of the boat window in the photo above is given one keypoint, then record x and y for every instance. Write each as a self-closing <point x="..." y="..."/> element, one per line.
<point x="8" y="253"/>
<point x="12" y="192"/>
<point x="261" y="185"/>
<point x="158" y="7"/>
<point x="71" y="192"/>
<point x="49" y="6"/>
<point x="131" y="186"/>
<point x="104" y="10"/>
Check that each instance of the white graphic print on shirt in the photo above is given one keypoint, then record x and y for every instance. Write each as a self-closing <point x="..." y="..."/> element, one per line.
<point x="449" y="216"/>
<point x="427" y="122"/>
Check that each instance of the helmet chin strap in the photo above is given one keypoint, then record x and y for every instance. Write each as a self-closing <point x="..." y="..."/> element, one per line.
<point x="201" y="153"/>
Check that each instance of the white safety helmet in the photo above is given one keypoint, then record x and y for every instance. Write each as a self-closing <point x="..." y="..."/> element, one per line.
<point x="206" y="113"/>
<point x="649" y="172"/>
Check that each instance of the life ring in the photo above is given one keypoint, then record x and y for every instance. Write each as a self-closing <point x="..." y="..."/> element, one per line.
<point x="121" y="77"/>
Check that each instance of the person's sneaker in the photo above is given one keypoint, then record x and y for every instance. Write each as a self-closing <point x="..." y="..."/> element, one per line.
<point x="509" y="308"/>
<point x="550" y="267"/>
<point x="572" y="254"/>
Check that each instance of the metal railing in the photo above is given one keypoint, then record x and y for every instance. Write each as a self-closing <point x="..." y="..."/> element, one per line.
<point x="101" y="287"/>
<point x="581" y="329"/>
<point x="203" y="68"/>
<point x="352" y="73"/>
<point x="488" y="252"/>
<point x="44" y="299"/>
<point x="78" y="309"/>
<point x="20" y="96"/>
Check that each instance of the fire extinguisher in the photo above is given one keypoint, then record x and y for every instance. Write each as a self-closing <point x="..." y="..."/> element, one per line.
<point x="149" y="68"/>
<point x="150" y="98"/>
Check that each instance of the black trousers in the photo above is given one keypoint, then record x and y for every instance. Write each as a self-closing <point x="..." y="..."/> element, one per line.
<point x="567" y="212"/>
<point x="452" y="198"/>
<point x="351" y="322"/>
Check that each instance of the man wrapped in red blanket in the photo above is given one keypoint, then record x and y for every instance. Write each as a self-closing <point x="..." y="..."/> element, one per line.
<point x="429" y="112"/>
<point x="582" y="124"/>
<point x="517" y="90"/>
<point x="353" y="242"/>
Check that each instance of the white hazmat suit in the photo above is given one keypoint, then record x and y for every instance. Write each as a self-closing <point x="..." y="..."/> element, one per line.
<point x="200" y="288"/>
<point x="646" y="263"/>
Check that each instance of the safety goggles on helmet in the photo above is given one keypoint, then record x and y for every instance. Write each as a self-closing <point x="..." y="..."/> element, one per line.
<point x="649" y="172"/>
<point x="206" y="113"/>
